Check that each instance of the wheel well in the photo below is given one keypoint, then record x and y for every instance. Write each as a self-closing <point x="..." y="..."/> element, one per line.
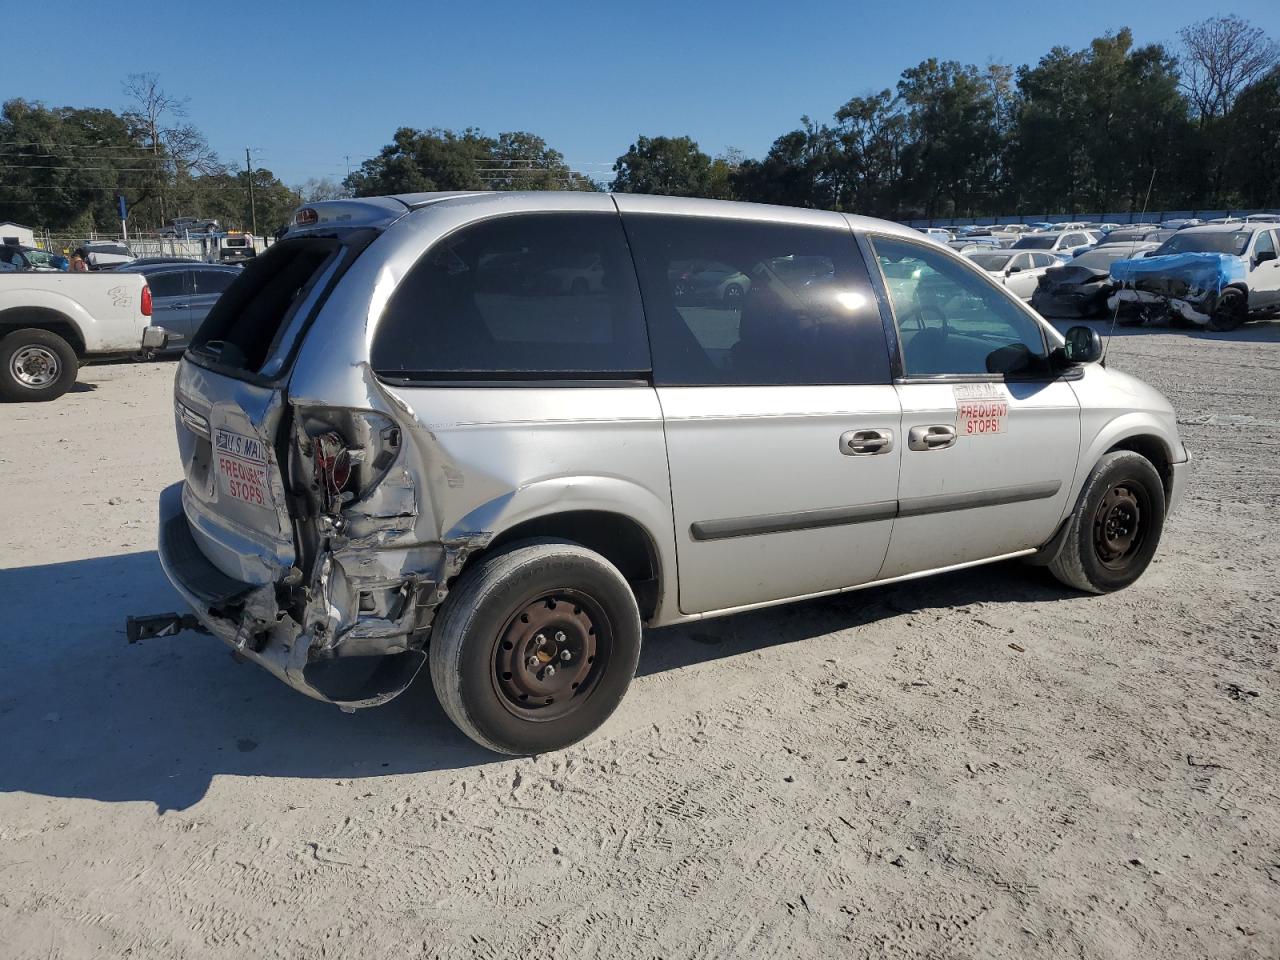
<point x="42" y="318"/>
<point x="617" y="538"/>
<point x="1153" y="449"/>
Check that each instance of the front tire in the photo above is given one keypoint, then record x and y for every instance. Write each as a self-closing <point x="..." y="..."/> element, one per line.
<point x="36" y="365"/>
<point x="1232" y="311"/>
<point x="535" y="647"/>
<point x="1115" y="528"/>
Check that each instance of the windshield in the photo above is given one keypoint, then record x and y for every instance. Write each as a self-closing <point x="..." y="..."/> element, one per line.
<point x="993" y="262"/>
<point x="1043" y="242"/>
<point x="1216" y="241"/>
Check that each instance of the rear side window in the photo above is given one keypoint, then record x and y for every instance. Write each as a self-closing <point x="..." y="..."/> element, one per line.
<point x="213" y="281"/>
<point x="166" y="284"/>
<point x="746" y="303"/>
<point x="243" y="324"/>
<point x="530" y="295"/>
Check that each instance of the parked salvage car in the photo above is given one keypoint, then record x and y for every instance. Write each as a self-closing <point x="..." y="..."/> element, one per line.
<point x="1020" y="271"/>
<point x="1214" y="275"/>
<point x="1061" y="243"/>
<point x="105" y="254"/>
<point x="1080" y="287"/>
<point x="186" y="226"/>
<point x="387" y="465"/>
<point x="708" y="280"/>
<point x="182" y="294"/>
<point x="966" y="247"/>
<point x="1130" y="236"/>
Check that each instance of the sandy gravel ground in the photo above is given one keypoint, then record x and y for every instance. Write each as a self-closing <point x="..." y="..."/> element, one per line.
<point x="879" y="775"/>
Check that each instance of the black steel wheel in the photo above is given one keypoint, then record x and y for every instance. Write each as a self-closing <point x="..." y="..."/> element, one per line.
<point x="551" y="655"/>
<point x="1119" y="524"/>
<point x="535" y="646"/>
<point x="1112" y="534"/>
<point x="1231" y="311"/>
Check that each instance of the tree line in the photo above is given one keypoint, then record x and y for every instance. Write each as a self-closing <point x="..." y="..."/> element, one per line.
<point x="1110" y="127"/>
<point x="62" y="168"/>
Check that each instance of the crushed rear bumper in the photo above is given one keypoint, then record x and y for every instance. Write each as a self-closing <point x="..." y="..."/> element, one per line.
<point x="248" y="619"/>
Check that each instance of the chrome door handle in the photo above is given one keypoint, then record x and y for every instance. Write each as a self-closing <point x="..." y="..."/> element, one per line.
<point x="864" y="443"/>
<point x="938" y="436"/>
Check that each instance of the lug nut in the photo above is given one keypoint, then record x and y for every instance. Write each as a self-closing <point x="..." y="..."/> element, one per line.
<point x="533" y="663"/>
<point x="566" y="656"/>
<point x="559" y="636"/>
<point x="549" y="672"/>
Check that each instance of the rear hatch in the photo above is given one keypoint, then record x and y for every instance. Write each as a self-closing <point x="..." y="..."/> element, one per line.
<point x="231" y="411"/>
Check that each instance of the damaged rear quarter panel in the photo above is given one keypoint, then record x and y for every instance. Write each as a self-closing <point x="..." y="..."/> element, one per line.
<point x="474" y="460"/>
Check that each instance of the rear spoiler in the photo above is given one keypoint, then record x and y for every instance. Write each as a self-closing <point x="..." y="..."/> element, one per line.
<point x="324" y="216"/>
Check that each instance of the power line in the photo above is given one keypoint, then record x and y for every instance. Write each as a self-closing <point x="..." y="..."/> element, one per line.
<point x="50" y="166"/>
<point x="100" y="145"/>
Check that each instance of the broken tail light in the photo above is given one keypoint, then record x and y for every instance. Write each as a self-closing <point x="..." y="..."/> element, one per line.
<point x="332" y="460"/>
<point x="349" y="453"/>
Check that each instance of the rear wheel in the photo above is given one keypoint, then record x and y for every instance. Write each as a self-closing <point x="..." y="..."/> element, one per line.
<point x="36" y="365"/>
<point x="1115" y="528"/>
<point x="535" y="647"/>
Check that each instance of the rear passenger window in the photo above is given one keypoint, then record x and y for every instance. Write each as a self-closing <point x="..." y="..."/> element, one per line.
<point x="527" y="295"/>
<point x="745" y="303"/>
<point x="166" y="284"/>
<point x="213" y="281"/>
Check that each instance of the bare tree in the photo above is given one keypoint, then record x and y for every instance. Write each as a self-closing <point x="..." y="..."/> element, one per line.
<point x="178" y="147"/>
<point x="323" y="188"/>
<point x="1222" y="56"/>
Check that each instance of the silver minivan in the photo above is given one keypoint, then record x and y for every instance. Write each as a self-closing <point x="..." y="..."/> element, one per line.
<point x="411" y="437"/>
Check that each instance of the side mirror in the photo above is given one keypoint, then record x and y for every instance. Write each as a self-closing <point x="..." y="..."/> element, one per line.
<point x="1083" y="345"/>
<point x="1263" y="256"/>
<point x="1012" y="358"/>
<point x="1014" y="270"/>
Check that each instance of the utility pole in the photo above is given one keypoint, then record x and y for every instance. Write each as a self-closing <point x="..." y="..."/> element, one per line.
<point x="253" y="204"/>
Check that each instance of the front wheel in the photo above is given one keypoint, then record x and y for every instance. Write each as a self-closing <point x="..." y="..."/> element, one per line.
<point x="36" y="365"/>
<point x="535" y="647"/>
<point x="1232" y="310"/>
<point x="1115" y="528"/>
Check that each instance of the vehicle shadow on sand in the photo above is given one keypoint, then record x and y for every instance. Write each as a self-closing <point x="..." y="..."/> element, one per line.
<point x="85" y="714"/>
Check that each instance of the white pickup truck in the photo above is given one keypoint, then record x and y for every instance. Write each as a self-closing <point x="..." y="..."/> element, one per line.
<point x="52" y="323"/>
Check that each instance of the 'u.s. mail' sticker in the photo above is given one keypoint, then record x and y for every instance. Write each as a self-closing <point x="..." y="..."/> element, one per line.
<point x="981" y="409"/>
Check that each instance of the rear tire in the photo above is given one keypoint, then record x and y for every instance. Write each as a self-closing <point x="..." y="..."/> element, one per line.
<point x="535" y="646"/>
<point x="1115" y="528"/>
<point x="36" y="365"/>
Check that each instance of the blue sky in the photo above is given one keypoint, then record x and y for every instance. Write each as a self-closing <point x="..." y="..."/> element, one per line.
<point x="307" y="84"/>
